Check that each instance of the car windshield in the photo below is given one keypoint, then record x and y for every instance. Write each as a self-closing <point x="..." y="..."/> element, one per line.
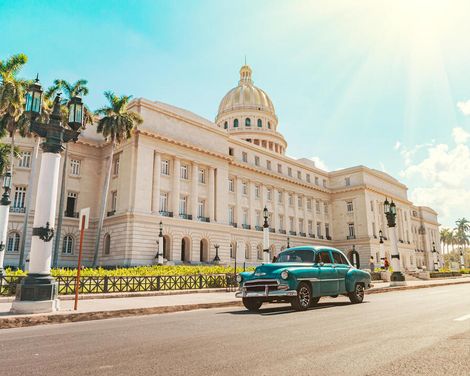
<point x="298" y="255"/>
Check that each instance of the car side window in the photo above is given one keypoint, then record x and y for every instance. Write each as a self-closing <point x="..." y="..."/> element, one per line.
<point x="337" y="258"/>
<point x="323" y="256"/>
<point x="343" y="259"/>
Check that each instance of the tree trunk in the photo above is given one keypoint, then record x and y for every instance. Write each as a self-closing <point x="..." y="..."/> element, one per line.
<point x="12" y="153"/>
<point x="104" y="200"/>
<point x="28" y="204"/>
<point x="60" y="218"/>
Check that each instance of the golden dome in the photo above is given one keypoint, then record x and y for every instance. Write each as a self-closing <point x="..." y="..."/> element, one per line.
<point x="245" y="96"/>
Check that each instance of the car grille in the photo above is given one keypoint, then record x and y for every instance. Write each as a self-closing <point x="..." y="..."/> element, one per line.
<point x="260" y="285"/>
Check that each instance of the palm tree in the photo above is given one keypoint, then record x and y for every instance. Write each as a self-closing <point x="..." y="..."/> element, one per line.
<point x="116" y="125"/>
<point x="12" y="92"/>
<point x="69" y="91"/>
<point x="445" y="239"/>
<point x="5" y="153"/>
<point x="462" y="231"/>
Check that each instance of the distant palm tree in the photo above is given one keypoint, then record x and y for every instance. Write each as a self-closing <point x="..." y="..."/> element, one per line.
<point x="462" y="232"/>
<point x="445" y="234"/>
<point x="12" y="93"/>
<point x="116" y="125"/>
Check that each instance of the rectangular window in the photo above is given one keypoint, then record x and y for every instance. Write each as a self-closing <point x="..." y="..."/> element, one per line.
<point x="281" y="222"/>
<point x="279" y="168"/>
<point x="291" y="200"/>
<point x="258" y="218"/>
<point x="327" y="230"/>
<point x="183" y="205"/>
<point x="257" y="190"/>
<point x="349" y="206"/>
<point x="244" y="188"/>
<point x="231" y="185"/>
<point x="301" y="225"/>
<point x="165" y="167"/>
<point x="309" y="204"/>
<point x="268" y="165"/>
<point x="71" y="204"/>
<point x="317" y="180"/>
<point x="317" y="207"/>
<point x="75" y="167"/>
<point x="352" y="233"/>
<point x="373" y="229"/>
<point x="289" y="171"/>
<point x="372" y="206"/>
<point x="116" y="165"/>
<point x="308" y="178"/>
<point x="291" y="223"/>
<point x="20" y="197"/>
<point x="184" y="172"/>
<point x="325" y="207"/>
<point x="202" y="176"/>
<point x="230" y="151"/>
<point x="310" y="227"/>
<point x="25" y="159"/>
<point x="279" y="197"/>
<point x="200" y="209"/>
<point x="324" y="183"/>
<point x="231" y="217"/>
<point x="245" y="217"/>
<point x="299" y="202"/>
<point x="244" y="157"/>
<point x="269" y="194"/>
<point x="164" y="201"/>
<point x="318" y="229"/>
<point x="113" y="200"/>
<point x="299" y="175"/>
<point x="347" y="181"/>
<point x="256" y="160"/>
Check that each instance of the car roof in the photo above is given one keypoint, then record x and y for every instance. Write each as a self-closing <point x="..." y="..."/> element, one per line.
<point x="312" y="248"/>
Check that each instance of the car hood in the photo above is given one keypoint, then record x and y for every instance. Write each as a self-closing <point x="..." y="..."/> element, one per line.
<point x="268" y="269"/>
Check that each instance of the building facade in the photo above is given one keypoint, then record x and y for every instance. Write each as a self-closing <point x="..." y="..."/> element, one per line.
<point x="208" y="182"/>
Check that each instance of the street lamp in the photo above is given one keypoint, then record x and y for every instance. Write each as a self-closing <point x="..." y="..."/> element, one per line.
<point x="381" y="250"/>
<point x="38" y="291"/>
<point x="216" y="258"/>
<point x="4" y="215"/>
<point x="435" y="257"/>
<point x="397" y="278"/>
<point x="288" y="242"/>
<point x="160" y="245"/>
<point x="265" y="236"/>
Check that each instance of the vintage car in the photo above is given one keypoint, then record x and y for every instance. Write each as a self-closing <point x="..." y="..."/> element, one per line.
<point x="301" y="275"/>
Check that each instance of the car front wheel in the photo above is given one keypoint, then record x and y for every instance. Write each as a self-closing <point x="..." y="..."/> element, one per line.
<point x="251" y="304"/>
<point x="303" y="300"/>
<point x="357" y="296"/>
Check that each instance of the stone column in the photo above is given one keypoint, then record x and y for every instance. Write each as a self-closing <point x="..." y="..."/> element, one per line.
<point x="211" y="194"/>
<point x="176" y="187"/>
<point x="251" y="209"/>
<point x="286" y="211"/>
<point x="157" y="165"/>
<point x="238" y="209"/>
<point x="275" y="220"/>
<point x="194" y="189"/>
<point x="296" y="213"/>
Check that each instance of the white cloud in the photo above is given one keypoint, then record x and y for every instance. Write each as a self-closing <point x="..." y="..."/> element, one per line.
<point x="319" y="163"/>
<point x="397" y="145"/>
<point x="441" y="179"/>
<point x="460" y="135"/>
<point x="464" y="107"/>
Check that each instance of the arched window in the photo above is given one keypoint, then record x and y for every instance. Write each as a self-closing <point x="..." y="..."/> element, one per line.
<point x="235" y="123"/>
<point x="107" y="244"/>
<point x="13" y="242"/>
<point x="67" y="245"/>
<point x="260" y="123"/>
<point x="247" y="251"/>
<point x="269" y="125"/>
<point x="247" y="122"/>
<point x="233" y="250"/>
<point x="260" y="252"/>
<point x="225" y="125"/>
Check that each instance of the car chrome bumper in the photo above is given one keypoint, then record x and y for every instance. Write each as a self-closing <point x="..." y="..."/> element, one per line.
<point x="265" y="294"/>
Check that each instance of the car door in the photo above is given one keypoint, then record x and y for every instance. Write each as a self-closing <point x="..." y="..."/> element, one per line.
<point x="342" y="268"/>
<point x="328" y="274"/>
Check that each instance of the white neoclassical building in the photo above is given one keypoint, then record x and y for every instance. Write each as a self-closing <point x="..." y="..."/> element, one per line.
<point x="208" y="182"/>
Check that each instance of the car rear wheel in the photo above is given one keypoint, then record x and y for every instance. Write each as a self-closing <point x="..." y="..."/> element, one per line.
<point x="357" y="296"/>
<point x="303" y="300"/>
<point x="251" y="304"/>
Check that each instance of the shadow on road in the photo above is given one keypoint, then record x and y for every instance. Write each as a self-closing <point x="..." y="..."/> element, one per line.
<point x="281" y="310"/>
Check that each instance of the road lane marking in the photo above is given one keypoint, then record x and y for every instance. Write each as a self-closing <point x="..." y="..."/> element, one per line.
<point x="462" y="318"/>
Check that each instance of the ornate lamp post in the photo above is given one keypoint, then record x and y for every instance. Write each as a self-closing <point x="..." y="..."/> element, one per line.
<point x="288" y="242"/>
<point x="265" y="236"/>
<point x="381" y="250"/>
<point x="216" y="258"/>
<point x="435" y="257"/>
<point x="38" y="291"/>
<point x="160" y="245"/>
<point x="462" y="260"/>
<point x="4" y="214"/>
<point x="397" y="278"/>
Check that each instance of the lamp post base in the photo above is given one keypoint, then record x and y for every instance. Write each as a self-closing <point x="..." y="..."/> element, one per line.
<point x="397" y="279"/>
<point x="37" y="293"/>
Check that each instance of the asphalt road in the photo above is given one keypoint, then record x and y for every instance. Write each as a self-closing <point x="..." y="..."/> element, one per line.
<point x="414" y="332"/>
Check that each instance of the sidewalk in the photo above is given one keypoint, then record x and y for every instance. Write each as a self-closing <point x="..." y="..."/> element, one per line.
<point x="96" y="309"/>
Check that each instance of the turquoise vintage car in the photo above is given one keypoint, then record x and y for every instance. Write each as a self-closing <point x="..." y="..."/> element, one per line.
<point x="301" y="275"/>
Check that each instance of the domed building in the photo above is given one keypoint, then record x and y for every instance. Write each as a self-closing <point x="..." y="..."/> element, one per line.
<point x="208" y="183"/>
<point x="247" y="113"/>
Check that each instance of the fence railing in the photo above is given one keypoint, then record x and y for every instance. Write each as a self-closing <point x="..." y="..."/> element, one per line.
<point x="112" y="284"/>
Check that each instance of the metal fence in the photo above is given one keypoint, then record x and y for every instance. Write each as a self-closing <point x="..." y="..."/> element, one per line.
<point x="111" y="284"/>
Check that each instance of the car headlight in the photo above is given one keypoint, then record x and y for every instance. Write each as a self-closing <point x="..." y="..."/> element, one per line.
<point x="239" y="278"/>
<point x="284" y="274"/>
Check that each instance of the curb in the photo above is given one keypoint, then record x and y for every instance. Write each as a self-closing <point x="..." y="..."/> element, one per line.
<point x="65" y="317"/>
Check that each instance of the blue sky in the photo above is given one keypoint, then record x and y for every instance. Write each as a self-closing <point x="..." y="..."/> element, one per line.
<point x="372" y="82"/>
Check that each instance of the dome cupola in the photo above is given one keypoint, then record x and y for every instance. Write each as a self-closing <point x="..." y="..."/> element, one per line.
<point x="247" y="112"/>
